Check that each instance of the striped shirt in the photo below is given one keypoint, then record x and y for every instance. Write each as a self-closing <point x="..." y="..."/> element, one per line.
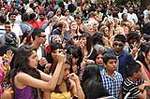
<point x="112" y="83"/>
<point x="130" y="87"/>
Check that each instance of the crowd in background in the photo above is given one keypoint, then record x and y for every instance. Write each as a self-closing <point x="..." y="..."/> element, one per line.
<point x="74" y="49"/>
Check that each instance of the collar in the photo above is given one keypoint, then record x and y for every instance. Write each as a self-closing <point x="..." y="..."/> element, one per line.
<point x="106" y="74"/>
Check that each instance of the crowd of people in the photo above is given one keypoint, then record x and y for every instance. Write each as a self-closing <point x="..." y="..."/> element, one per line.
<point x="74" y="49"/>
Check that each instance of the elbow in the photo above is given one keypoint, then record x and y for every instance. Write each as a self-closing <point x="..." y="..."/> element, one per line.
<point x="51" y="87"/>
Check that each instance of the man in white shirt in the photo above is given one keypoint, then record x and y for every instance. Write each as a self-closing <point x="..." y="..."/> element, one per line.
<point x="146" y="13"/>
<point x="132" y="16"/>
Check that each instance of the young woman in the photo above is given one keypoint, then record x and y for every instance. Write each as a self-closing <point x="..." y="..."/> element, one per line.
<point x="144" y="60"/>
<point x="65" y="88"/>
<point x="68" y="85"/>
<point x="92" y="83"/>
<point x="74" y="56"/>
<point x="27" y="80"/>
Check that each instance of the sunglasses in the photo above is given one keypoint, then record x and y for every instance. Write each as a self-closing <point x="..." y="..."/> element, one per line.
<point x="118" y="44"/>
<point x="42" y="36"/>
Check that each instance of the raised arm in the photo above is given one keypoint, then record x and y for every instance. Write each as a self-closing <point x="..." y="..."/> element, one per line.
<point x="23" y="79"/>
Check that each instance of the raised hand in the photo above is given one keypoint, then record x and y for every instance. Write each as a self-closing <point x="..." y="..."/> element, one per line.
<point x="61" y="56"/>
<point x="73" y="77"/>
<point x="8" y="56"/>
<point x="43" y="61"/>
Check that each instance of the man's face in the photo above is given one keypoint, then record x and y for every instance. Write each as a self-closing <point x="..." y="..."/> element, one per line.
<point x="41" y="38"/>
<point x="13" y="18"/>
<point x="111" y="65"/>
<point x="118" y="46"/>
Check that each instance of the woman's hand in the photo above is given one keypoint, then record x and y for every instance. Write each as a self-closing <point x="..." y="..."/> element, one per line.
<point x="8" y="56"/>
<point x="61" y="57"/>
<point x="74" y="77"/>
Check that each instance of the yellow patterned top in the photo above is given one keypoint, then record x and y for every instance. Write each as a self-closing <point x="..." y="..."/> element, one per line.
<point x="63" y="95"/>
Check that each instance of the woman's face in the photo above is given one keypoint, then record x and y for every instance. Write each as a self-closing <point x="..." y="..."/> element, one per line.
<point x="106" y="31"/>
<point x="74" y="60"/>
<point x="33" y="60"/>
<point x="54" y="54"/>
<point x="74" y="26"/>
<point x="57" y="39"/>
<point x="83" y="41"/>
<point x="99" y="59"/>
<point x="78" y="20"/>
<point x="148" y="56"/>
<point x="66" y="70"/>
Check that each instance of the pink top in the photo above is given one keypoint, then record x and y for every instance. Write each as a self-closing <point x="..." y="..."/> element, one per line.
<point x="1" y="75"/>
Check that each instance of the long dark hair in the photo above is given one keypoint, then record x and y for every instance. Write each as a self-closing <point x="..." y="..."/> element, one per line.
<point x="20" y="64"/>
<point x="53" y="48"/>
<point x="67" y="82"/>
<point x="92" y="82"/>
<point x="74" y="51"/>
<point x="144" y="48"/>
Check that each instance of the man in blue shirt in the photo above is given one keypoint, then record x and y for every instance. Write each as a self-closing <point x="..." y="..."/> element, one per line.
<point x="124" y="58"/>
<point x="111" y="79"/>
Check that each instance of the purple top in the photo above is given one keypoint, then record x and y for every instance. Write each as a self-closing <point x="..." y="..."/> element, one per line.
<point x="25" y="93"/>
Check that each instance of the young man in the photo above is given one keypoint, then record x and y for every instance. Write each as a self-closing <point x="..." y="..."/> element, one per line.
<point x="133" y="85"/>
<point x="111" y="79"/>
<point x="124" y="58"/>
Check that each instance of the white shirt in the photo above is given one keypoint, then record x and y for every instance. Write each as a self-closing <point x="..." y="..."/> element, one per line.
<point x="133" y="18"/>
<point x="17" y="30"/>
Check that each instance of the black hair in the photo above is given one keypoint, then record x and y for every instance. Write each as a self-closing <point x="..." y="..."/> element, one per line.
<point x="92" y="83"/>
<point x="123" y="15"/>
<point x="107" y="56"/>
<point x="20" y="64"/>
<point x="144" y="49"/>
<point x="73" y="51"/>
<point x="25" y="17"/>
<point x="36" y="32"/>
<point x="134" y="67"/>
<point x="2" y="18"/>
<point x="11" y="39"/>
<point x="120" y="37"/>
<point x="9" y="42"/>
<point x="91" y="72"/>
<point x="88" y="40"/>
<point x="133" y="35"/>
<point x="67" y="81"/>
<point x="53" y="47"/>
<point x="31" y="5"/>
<point x="32" y="16"/>
<point x="97" y="39"/>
